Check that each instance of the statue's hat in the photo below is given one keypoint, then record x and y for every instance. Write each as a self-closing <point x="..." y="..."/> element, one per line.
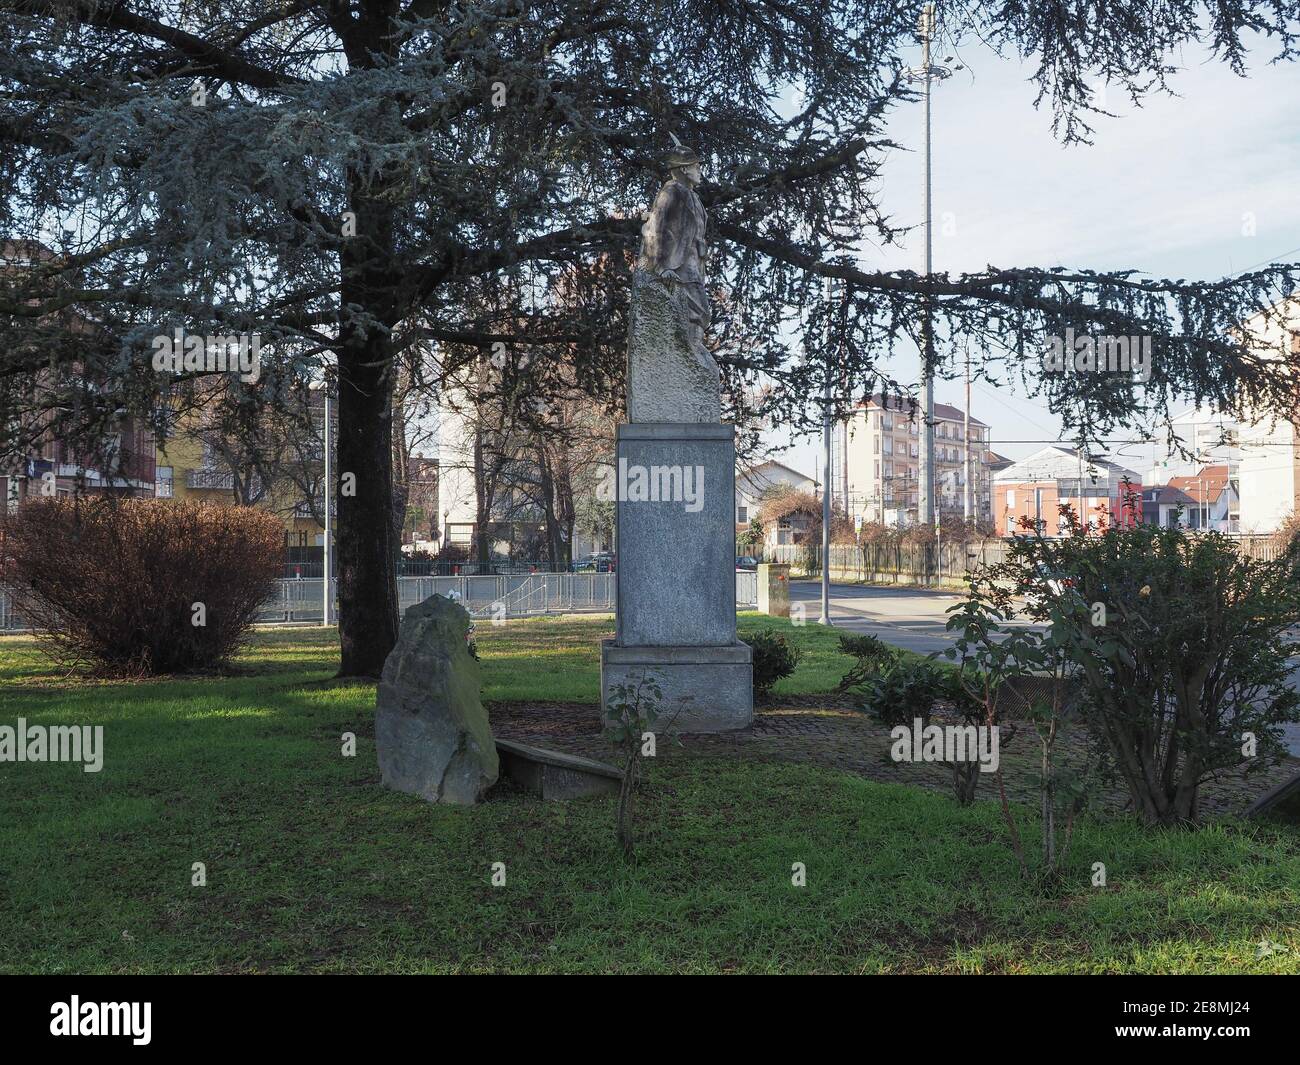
<point x="680" y="155"/>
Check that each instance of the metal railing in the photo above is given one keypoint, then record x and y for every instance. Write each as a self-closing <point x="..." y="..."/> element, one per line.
<point x="484" y="596"/>
<point x="926" y="563"/>
<point x="422" y="567"/>
<point x="209" y="479"/>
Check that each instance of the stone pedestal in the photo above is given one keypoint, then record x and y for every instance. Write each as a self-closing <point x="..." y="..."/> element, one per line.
<point x="676" y="575"/>
<point x="774" y="590"/>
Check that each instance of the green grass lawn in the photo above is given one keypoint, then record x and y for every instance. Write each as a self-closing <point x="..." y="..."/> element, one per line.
<point x="558" y="658"/>
<point x="312" y="866"/>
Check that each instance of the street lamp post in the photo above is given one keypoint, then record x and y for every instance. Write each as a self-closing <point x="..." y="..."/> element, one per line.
<point x="927" y="511"/>
<point x="826" y="458"/>
<point x="968" y="506"/>
<point x="326" y="552"/>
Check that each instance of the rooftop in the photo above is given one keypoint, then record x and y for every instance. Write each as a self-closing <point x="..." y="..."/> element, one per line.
<point x="942" y="411"/>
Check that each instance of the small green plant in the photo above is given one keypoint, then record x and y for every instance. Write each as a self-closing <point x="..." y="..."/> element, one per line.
<point x="992" y="657"/>
<point x="871" y="655"/>
<point x="631" y="711"/>
<point x="774" y="657"/>
<point x="904" y="692"/>
<point x="967" y="705"/>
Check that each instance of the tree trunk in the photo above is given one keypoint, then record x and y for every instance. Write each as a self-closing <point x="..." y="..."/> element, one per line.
<point x="367" y="566"/>
<point x="482" y="503"/>
<point x="366" y="551"/>
<point x="401" y="470"/>
<point x="547" y="486"/>
<point x="565" y="515"/>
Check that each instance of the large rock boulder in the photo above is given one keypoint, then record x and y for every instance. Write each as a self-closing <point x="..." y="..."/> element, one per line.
<point x="430" y="728"/>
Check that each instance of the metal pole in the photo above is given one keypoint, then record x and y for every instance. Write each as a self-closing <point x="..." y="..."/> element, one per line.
<point x="926" y="511"/>
<point x="1082" y="499"/>
<point x="325" y="553"/>
<point x="826" y="461"/>
<point x="968" y="507"/>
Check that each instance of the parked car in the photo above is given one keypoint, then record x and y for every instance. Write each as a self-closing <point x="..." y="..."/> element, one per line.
<point x="746" y="562"/>
<point x="1053" y="581"/>
<point x="1048" y="583"/>
<point x="601" y="562"/>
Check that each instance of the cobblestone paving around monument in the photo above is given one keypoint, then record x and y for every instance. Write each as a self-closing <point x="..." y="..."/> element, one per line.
<point x="824" y="730"/>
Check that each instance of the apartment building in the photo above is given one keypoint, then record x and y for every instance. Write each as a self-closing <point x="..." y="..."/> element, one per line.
<point x="1208" y="438"/>
<point x="123" y="464"/>
<point x="199" y="462"/>
<point x="120" y="462"/>
<point x="881" y="445"/>
<point x="1206" y="499"/>
<point x="1036" y="487"/>
<point x="1269" y="472"/>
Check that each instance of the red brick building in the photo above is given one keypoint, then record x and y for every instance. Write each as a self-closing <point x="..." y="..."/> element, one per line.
<point x="1099" y="491"/>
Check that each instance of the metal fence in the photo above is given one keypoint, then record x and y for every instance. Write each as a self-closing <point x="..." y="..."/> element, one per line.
<point x="485" y="596"/>
<point x="893" y="563"/>
<point x="922" y="564"/>
<point x="407" y="567"/>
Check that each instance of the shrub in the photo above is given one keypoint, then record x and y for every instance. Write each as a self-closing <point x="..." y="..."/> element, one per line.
<point x="774" y="658"/>
<point x="907" y="690"/>
<point x="140" y="585"/>
<point x="753" y="535"/>
<point x="1181" y="645"/>
<point x="871" y="655"/>
<point x="450" y="552"/>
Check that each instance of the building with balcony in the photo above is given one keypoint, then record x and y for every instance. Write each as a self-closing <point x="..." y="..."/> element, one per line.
<point x="880" y="456"/>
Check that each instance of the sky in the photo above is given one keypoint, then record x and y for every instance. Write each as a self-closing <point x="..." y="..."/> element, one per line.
<point x="1198" y="185"/>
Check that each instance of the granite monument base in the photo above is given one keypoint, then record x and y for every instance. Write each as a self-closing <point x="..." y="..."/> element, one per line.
<point x="705" y="689"/>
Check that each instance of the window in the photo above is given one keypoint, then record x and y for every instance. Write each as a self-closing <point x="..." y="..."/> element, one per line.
<point x="913" y="451"/>
<point x="889" y="445"/>
<point x="742" y="515"/>
<point x="1011" y="497"/>
<point x="887" y="421"/>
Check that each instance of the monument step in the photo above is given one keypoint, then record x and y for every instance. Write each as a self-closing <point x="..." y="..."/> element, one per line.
<point x="554" y="774"/>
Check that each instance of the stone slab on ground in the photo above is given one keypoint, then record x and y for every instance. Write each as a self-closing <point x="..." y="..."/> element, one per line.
<point x="1283" y="800"/>
<point x="431" y="730"/>
<point x="555" y="774"/>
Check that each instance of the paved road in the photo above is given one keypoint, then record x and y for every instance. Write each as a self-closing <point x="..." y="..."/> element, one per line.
<point x="914" y="618"/>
